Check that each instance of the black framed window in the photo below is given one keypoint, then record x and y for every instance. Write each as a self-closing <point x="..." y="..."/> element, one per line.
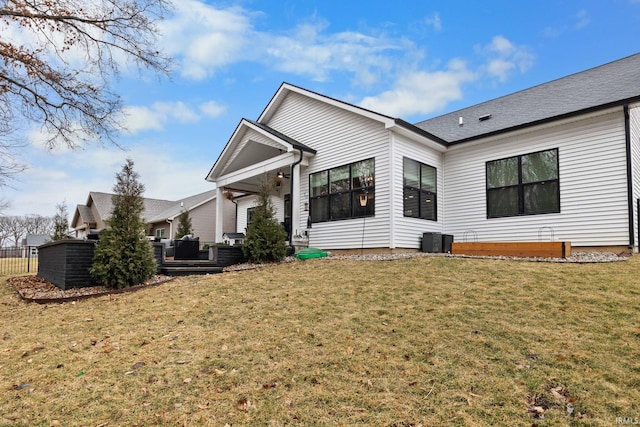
<point x="340" y="192"/>
<point x="419" y="190"/>
<point x="250" y="212"/>
<point x="523" y="185"/>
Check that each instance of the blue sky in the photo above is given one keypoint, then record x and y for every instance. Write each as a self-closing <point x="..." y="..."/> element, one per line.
<point x="407" y="59"/>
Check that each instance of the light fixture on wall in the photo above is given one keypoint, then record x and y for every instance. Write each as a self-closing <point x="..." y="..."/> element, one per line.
<point x="364" y="197"/>
<point x="281" y="174"/>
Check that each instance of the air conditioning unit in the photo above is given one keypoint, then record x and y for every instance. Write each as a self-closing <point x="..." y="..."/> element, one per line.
<point x="432" y="242"/>
<point x="447" y="241"/>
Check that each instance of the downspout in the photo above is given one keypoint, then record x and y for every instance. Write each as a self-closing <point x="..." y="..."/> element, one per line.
<point x="170" y="222"/>
<point x="235" y="227"/>
<point x="627" y="140"/>
<point x="293" y="165"/>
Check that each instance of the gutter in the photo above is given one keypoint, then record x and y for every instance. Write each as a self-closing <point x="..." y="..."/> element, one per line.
<point x="627" y="140"/>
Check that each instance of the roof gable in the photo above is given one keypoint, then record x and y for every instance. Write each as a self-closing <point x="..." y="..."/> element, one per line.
<point x="286" y="88"/>
<point x="251" y="143"/>
<point x="601" y="87"/>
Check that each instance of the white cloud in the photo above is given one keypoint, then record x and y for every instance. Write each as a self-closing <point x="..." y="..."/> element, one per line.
<point x="71" y="177"/>
<point x="140" y="119"/>
<point x="309" y="51"/>
<point x="159" y="114"/>
<point x="582" y="20"/>
<point x="504" y="57"/>
<point x="212" y="109"/>
<point x="434" y="21"/>
<point x="207" y="39"/>
<point x="422" y="92"/>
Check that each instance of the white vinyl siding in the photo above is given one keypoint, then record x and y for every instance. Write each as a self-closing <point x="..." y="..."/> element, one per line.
<point x="244" y="203"/>
<point x="593" y="187"/>
<point x="634" y="116"/>
<point x="340" y="137"/>
<point x="408" y="231"/>
<point x="203" y="220"/>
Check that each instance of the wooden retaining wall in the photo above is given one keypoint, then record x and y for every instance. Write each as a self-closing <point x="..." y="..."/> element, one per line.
<point x="513" y="249"/>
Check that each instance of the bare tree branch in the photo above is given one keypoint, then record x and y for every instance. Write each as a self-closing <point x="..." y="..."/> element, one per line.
<point x="58" y="62"/>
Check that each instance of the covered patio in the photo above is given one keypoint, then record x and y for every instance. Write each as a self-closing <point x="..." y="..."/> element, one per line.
<point x="257" y="154"/>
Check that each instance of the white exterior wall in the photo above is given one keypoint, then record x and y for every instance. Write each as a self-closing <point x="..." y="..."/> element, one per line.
<point x="247" y="202"/>
<point x="203" y="219"/>
<point x="593" y="187"/>
<point x="340" y="137"/>
<point x="408" y="231"/>
<point x="634" y="116"/>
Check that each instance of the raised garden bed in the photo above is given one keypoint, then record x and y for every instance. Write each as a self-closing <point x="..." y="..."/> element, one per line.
<point x="513" y="249"/>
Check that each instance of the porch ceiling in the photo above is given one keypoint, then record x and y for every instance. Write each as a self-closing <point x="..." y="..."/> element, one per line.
<point x="254" y="152"/>
<point x="249" y="178"/>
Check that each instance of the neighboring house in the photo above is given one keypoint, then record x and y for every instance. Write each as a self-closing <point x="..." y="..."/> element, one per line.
<point x="31" y="242"/>
<point x="557" y="161"/>
<point x="161" y="215"/>
<point x="202" y="212"/>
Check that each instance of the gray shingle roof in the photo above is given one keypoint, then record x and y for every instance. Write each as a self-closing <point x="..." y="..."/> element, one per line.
<point x="36" y="239"/>
<point x="86" y="216"/>
<point x="187" y="203"/>
<point x="152" y="207"/>
<point x="608" y="85"/>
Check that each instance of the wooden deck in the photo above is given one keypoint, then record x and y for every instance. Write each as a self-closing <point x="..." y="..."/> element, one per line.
<point x="513" y="249"/>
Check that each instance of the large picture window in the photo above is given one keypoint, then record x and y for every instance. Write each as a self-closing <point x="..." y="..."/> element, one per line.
<point x="523" y="185"/>
<point x="419" y="190"/>
<point x="337" y="193"/>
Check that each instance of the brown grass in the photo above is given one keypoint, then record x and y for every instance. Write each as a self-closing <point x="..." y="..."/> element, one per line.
<point x="430" y="341"/>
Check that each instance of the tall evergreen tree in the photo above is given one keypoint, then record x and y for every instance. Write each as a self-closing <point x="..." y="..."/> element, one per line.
<point x="265" y="239"/>
<point x="184" y="225"/>
<point x="60" y="222"/>
<point x="123" y="255"/>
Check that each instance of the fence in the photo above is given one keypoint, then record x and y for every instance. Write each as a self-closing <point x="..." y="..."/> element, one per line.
<point x="18" y="260"/>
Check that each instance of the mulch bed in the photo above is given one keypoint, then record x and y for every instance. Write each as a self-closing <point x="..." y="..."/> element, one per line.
<point x="36" y="289"/>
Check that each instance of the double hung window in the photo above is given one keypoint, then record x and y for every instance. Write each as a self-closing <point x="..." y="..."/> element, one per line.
<point x="419" y="190"/>
<point x="523" y="185"/>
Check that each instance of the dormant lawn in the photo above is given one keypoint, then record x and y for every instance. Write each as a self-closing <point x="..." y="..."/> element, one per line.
<point x="425" y="341"/>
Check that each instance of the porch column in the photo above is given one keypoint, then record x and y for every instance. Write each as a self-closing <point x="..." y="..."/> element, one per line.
<point x="295" y="201"/>
<point x="219" y="214"/>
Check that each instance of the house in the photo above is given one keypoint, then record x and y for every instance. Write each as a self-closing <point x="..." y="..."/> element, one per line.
<point x="558" y="161"/>
<point x="161" y="215"/>
<point x="31" y="242"/>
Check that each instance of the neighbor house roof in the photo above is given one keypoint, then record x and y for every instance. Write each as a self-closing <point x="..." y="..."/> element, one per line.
<point x="186" y="204"/>
<point x="608" y="85"/>
<point x="36" y="239"/>
<point x="85" y="215"/>
<point x="104" y="205"/>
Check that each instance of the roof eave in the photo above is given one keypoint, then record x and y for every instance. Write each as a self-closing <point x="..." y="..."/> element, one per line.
<point x="546" y="120"/>
<point x="421" y="132"/>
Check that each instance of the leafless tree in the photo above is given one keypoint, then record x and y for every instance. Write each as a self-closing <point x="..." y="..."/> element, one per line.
<point x="58" y="60"/>
<point x="38" y="224"/>
<point x="4" y="231"/>
<point x="15" y="229"/>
